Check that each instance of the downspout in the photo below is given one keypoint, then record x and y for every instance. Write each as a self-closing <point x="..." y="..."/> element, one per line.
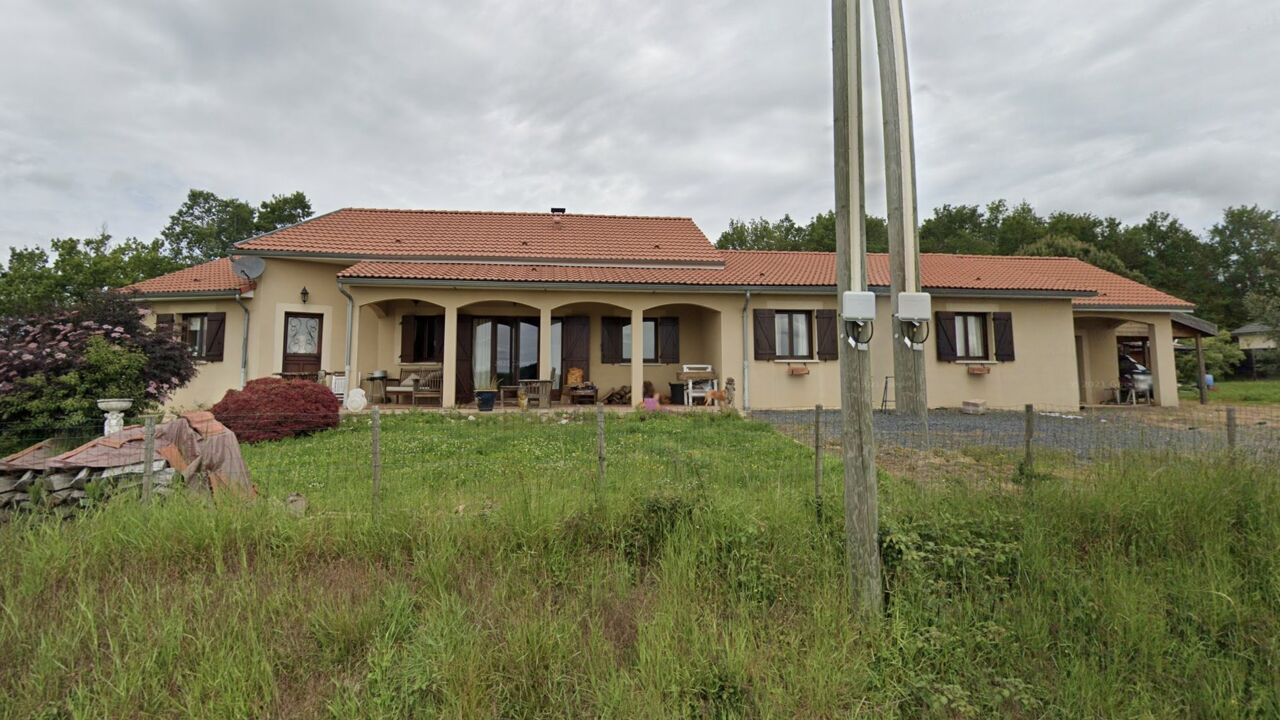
<point x="351" y="308"/>
<point x="746" y="359"/>
<point x="244" y="343"/>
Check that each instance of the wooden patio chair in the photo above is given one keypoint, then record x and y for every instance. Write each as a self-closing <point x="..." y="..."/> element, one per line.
<point x="429" y="388"/>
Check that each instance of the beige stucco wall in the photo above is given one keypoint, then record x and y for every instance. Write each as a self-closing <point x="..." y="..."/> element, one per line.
<point x="1043" y="371"/>
<point x="711" y="330"/>
<point x="212" y="379"/>
<point x="1256" y="342"/>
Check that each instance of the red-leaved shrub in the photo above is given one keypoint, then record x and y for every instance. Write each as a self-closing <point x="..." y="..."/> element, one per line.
<point x="274" y="408"/>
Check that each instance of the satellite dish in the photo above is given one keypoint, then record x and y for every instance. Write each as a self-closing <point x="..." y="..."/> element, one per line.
<point x="249" y="266"/>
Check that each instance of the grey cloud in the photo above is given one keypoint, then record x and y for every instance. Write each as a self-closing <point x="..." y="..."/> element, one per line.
<point x="110" y="111"/>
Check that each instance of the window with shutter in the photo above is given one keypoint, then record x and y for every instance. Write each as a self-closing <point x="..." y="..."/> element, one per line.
<point x="1002" y="327"/>
<point x="669" y="341"/>
<point x="215" y="334"/>
<point x="944" y="325"/>
<point x="763" y="335"/>
<point x="793" y="335"/>
<point x="611" y="339"/>
<point x="828" y="335"/>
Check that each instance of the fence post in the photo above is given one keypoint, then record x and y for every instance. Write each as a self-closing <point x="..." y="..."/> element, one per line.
<point x="817" y="460"/>
<point x="1028" y="460"/>
<point x="376" y="417"/>
<point x="1231" y="429"/>
<point x="600" y="456"/>
<point x="148" y="455"/>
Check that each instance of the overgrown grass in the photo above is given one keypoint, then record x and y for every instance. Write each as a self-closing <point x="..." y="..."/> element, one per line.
<point x="498" y="581"/>
<point x="1241" y="392"/>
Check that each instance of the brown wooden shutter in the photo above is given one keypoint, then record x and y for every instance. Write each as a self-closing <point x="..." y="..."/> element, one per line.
<point x="945" y="334"/>
<point x="215" y="331"/>
<point x="164" y="325"/>
<point x="575" y="346"/>
<point x="669" y="340"/>
<point x="436" y="351"/>
<point x="611" y="339"/>
<point x="765" y="335"/>
<point x="408" y="333"/>
<point x="1002" y="322"/>
<point x="464" y="383"/>
<point x="828" y="337"/>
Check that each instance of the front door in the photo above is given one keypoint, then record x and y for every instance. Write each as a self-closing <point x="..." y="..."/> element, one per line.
<point x="302" y="342"/>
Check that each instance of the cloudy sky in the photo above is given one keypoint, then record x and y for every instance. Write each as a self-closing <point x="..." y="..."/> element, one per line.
<point x="110" y="111"/>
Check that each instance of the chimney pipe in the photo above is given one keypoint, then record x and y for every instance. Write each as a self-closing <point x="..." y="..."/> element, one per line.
<point x="556" y="214"/>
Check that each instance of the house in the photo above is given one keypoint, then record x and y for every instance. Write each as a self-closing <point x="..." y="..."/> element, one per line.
<point x="489" y="297"/>
<point x="1255" y="336"/>
<point x="1252" y="339"/>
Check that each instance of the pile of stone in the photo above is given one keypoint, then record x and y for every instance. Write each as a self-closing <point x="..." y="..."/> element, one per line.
<point x="193" y="447"/>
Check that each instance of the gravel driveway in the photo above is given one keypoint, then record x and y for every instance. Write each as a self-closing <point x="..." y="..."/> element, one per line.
<point x="1086" y="434"/>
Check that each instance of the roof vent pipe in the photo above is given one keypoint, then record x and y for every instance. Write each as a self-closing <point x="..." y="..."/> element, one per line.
<point x="556" y="214"/>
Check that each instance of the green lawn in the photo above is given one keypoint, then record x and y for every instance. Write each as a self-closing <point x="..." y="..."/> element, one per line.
<point x="498" y="579"/>
<point x="1240" y="392"/>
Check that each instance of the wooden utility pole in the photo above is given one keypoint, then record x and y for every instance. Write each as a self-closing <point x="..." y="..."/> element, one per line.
<point x="1200" y="380"/>
<point x="861" y="505"/>
<point x="909" y="392"/>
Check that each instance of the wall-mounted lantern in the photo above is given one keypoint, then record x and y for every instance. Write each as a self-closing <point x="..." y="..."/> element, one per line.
<point x="306" y="295"/>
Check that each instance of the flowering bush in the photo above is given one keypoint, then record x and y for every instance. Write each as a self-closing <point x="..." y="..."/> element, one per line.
<point x="274" y="408"/>
<point x="56" y="365"/>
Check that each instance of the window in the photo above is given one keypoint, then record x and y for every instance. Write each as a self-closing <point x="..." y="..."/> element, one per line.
<point x="792" y="334"/>
<point x="193" y="333"/>
<point x="425" y="339"/>
<point x="971" y="336"/>
<point x="661" y="341"/>
<point x="650" y="341"/>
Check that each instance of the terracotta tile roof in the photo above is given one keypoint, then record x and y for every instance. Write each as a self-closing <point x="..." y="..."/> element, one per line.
<point x="810" y="269"/>
<point x="211" y="277"/>
<point x="462" y="236"/>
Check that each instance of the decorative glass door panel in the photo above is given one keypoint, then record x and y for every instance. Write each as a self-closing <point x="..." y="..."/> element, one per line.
<point x="302" y="343"/>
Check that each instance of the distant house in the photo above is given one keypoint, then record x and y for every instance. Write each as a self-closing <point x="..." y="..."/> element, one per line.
<point x="1254" y="336"/>
<point x="490" y="297"/>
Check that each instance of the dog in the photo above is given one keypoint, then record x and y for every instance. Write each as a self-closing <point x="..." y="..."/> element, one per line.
<point x="722" y="397"/>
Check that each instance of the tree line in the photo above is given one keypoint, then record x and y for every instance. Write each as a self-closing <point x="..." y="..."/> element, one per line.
<point x="73" y="270"/>
<point x="1231" y="272"/>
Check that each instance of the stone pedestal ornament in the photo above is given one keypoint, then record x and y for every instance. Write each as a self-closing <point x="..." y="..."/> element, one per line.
<point x="114" y="409"/>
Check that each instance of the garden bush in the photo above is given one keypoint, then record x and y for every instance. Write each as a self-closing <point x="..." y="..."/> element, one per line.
<point x="274" y="408"/>
<point x="55" y="365"/>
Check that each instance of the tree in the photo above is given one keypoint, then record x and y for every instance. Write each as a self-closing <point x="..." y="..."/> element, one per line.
<point x="281" y="211"/>
<point x="760" y="234"/>
<point x="55" y="365"/>
<point x="1173" y="259"/>
<point x="1264" y="308"/>
<point x="76" y="270"/>
<point x="958" y="229"/>
<point x="206" y="226"/>
<point x="1064" y="246"/>
<point x="1015" y="228"/>
<point x="1221" y="356"/>
<point x="818" y="235"/>
<point x="1246" y="247"/>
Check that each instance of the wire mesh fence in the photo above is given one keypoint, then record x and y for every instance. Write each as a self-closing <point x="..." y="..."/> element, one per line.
<point x="1086" y="435"/>
<point x="454" y="462"/>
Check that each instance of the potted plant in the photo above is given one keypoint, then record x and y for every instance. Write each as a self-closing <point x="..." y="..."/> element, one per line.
<point x="485" y="396"/>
